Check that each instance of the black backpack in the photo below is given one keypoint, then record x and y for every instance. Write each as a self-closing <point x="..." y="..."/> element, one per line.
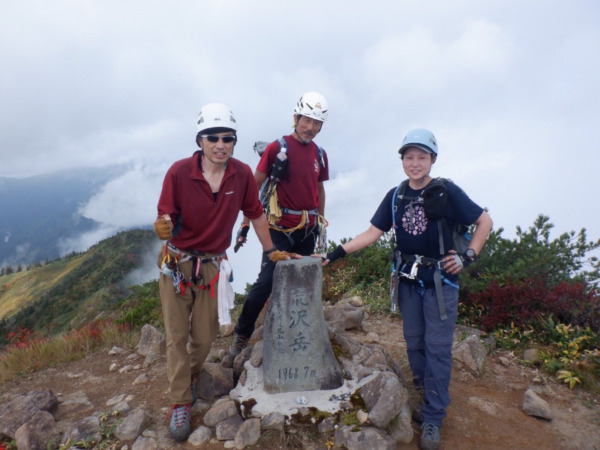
<point x="434" y="198"/>
<point x="278" y="168"/>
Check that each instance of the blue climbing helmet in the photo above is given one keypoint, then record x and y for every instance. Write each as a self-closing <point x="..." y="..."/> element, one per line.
<point x="420" y="138"/>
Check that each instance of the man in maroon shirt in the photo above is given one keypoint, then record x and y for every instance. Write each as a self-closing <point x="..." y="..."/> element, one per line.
<point x="301" y="199"/>
<point x="199" y="203"/>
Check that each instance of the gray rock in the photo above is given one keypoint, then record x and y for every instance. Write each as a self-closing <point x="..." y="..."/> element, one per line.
<point x="248" y="434"/>
<point x="256" y="357"/>
<point x="84" y="429"/>
<point x="365" y="438"/>
<point x="75" y="405"/>
<point x="372" y="337"/>
<point x="348" y="345"/>
<point x="470" y="355"/>
<point x="214" y="381"/>
<point x="335" y="327"/>
<point x="531" y="355"/>
<point x="385" y="397"/>
<point x="122" y="407"/>
<point x="38" y="433"/>
<point x="151" y="358"/>
<point x="351" y="316"/>
<point x="376" y="358"/>
<point x="240" y="360"/>
<point x="400" y="428"/>
<point x="133" y="425"/>
<point x="151" y="340"/>
<point x="44" y="400"/>
<point x="201" y="406"/>
<point x="220" y="411"/>
<point x="145" y="443"/>
<point x="273" y="421"/>
<point x="116" y="351"/>
<point x="327" y="425"/>
<point x="142" y="379"/>
<point x="226" y="330"/>
<point x="356" y="301"/>
<point x="118" y="399"/>
<point x="20" y="409"/>
<point x="125" y="369"/>
<point x="227" y="429"/>
<point x="483" y="405"/>
<point x="200" y="436"/>
<point x="533" y="405"/>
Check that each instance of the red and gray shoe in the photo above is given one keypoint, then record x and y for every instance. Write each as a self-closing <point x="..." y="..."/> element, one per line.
<point x="179" y="421"/>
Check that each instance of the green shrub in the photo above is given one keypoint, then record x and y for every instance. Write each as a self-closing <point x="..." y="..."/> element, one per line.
<point x="365" y="273"/>
<point x="142" y="307"/>
<point x="532" y="254"/>
<point x="531" y="276"/>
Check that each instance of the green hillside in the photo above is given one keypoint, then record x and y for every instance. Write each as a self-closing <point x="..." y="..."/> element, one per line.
<point x="66" y="293"/>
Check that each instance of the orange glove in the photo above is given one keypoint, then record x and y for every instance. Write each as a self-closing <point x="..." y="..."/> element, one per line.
<point x="163" y="227"/>
<point x="278" y="255"/>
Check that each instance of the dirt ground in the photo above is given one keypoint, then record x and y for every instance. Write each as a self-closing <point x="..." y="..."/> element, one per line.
<point x="485" y="412"/>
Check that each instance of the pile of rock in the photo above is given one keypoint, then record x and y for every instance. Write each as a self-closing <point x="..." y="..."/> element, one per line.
<point x="380" y="400"/>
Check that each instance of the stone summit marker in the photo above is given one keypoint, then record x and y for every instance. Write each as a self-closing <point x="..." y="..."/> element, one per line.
<point x="297" y="354"/>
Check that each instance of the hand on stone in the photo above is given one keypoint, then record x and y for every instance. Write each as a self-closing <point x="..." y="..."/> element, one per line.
<point x="278" y="255"/>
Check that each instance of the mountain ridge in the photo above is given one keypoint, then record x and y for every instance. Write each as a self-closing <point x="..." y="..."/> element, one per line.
<point x="65" y="293"/>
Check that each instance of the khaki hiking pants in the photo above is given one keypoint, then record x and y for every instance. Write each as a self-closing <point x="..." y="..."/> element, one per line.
<point x="190" y="317"/>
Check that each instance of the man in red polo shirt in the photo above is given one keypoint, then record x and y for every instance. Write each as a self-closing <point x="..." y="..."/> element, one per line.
<point x="200" y="200"/>
<point x="299" y="221"/>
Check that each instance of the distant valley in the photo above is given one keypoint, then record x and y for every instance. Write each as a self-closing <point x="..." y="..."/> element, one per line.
<point x="40" y="211"/>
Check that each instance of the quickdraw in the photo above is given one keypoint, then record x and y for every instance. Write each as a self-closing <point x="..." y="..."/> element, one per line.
<point x="321" y="244"/>
<point x="170" y="268"/>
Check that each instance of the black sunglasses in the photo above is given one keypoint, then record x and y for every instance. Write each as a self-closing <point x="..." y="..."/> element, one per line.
<point x="214" y="138"/>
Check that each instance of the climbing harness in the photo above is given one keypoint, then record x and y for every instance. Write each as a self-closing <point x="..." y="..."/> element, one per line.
<point x="401" y="262"/>
<point x="170" y="268"/>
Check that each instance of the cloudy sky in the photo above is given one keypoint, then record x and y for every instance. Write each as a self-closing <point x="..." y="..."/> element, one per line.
<point x="510" y="88"/>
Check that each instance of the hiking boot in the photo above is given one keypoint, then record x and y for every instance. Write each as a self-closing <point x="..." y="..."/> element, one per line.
<point x="194" y="387"/>
<point x="239" y="343"/>
<point x="179" y="421"/>
<point x="430" y="437"/>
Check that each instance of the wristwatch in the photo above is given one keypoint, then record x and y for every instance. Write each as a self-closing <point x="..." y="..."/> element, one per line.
<point x="470" y="253"/>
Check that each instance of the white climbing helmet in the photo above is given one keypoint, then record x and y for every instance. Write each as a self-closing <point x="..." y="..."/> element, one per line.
<point x="216" y="115"/>
<point x="313" y="105"/>
<point x="420" y="138"/>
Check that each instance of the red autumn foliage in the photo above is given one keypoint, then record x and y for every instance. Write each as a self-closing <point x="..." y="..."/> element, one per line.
<point x="527" y="301"/>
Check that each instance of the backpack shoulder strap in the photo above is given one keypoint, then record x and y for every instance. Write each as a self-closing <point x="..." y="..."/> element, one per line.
<point x="282" y="144"/>
<point x="320" y="153"/>
<point x="396" y="198"/>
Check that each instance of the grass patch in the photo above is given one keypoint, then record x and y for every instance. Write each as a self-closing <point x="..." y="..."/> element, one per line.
<point x="29" y="353"/>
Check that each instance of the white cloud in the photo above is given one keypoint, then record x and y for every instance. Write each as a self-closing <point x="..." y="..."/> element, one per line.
<point x="86" y="240"/>
<point x="509" y="88"/>
<point x="128" y="201"/>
